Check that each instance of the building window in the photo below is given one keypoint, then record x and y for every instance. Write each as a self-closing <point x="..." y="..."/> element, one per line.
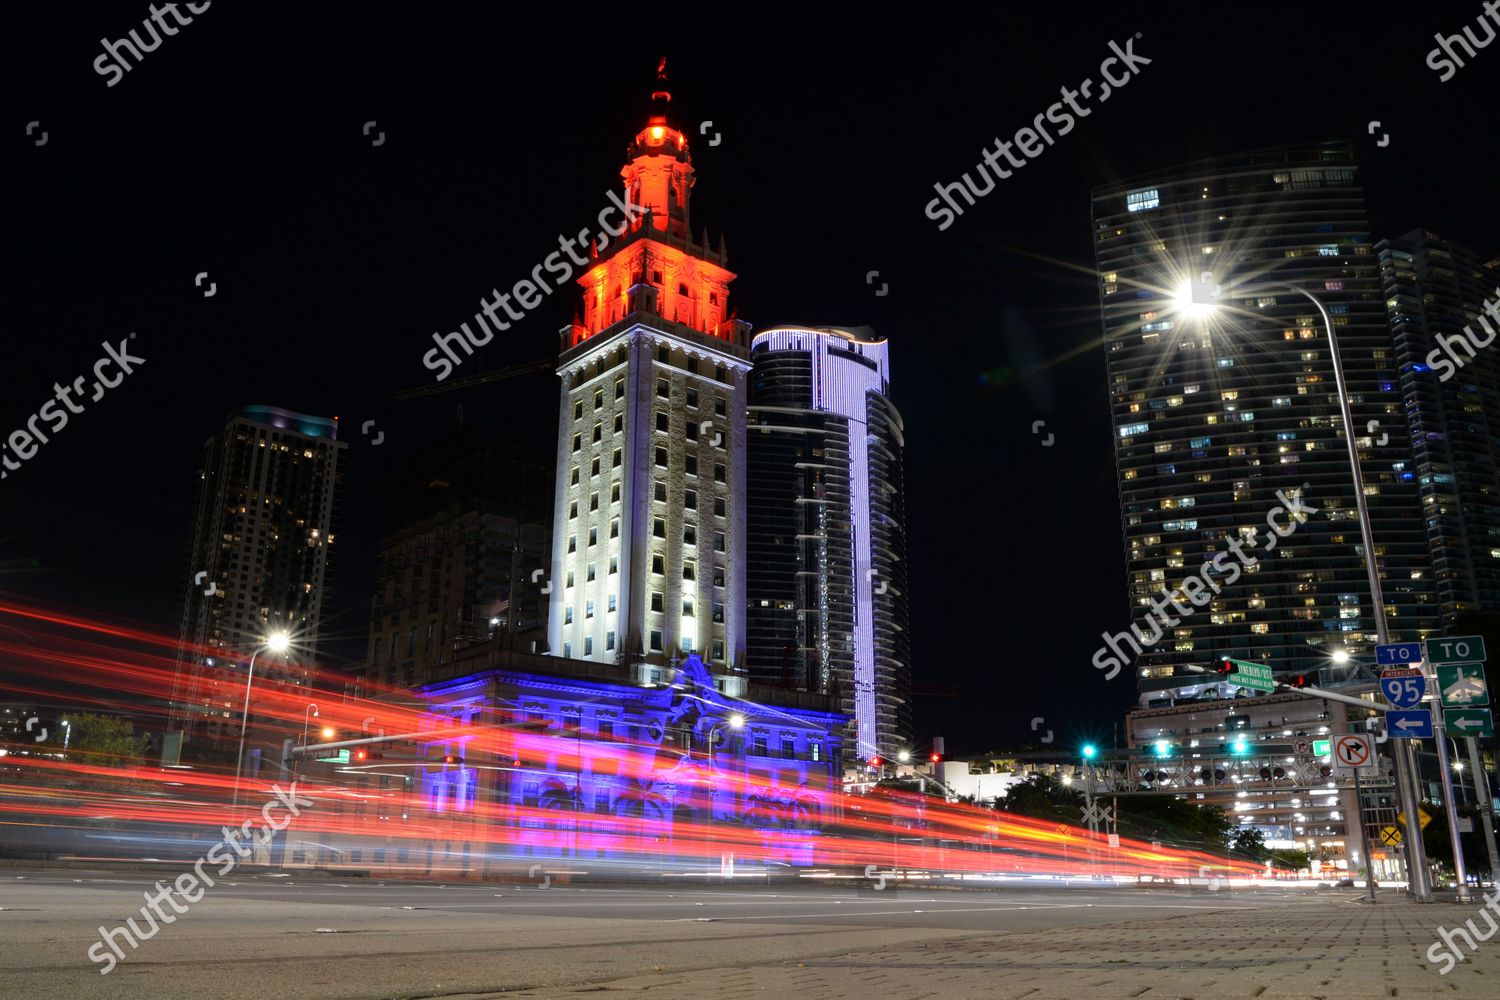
<point x="590" y="574"/>
<point x="656" y="647"/>
<point x="572" y="543"/>
<point x="718" y="576"/>
<point x="620" y="389"/>
<point x="658" y="565"/>
<point x="567" y="655"/>
<point x="815" y="751"/>
<point x="719" y="403"/>
<point x="593" y="470"/>
<point x="574" y="478"/>
<point x="598" y="398"/>
<point x="788" y="748"/>
<point x="692" y="397"/>
<point x="615" y="462"/>
<point x="687" y="570"/>
<point x="573" y="509"/>
<point x="568" y="615"/>
<point x="690" y="465"/>
<point x="661" y="457"/>
<point x="691" y="430"/>
<point x="663" y="354"/>
<point x="687" y="607"/>
<point x="690" y="499"/>
<point x="569" y="579"/>
<point x="692" y="362"/>
<point x="611" y="602"/>
<point x="578" y="410"/>
<point x="614" y="565"/>
<point x="593" y="501"/>
<point x="719" y="650"/>
<point x="662" y="389"/>
<point x="614" y="527"/>
<point x="659" y="527"/>
<point x="577" y="441"/>
<point x="719" y="506"/>
<point x="661" y="491"/>
<point x="656" y="601"/>
<point x="689" y="535"/>
<point x="718" y="473"/>
<point x="588" y="609"/>
<point x="718" y="612"/>
<point x="759" y="746"/>
<point x="614" y="493"/>
<point x="718" y="541"/>
<point x="593" y="536"/>
<point x="588" y="645"/>
<point x="605" y="727"/>
<point x="609" y="640"/>
<point x="661" y="421"/>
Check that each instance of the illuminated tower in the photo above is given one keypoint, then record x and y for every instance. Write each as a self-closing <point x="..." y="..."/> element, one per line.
<point x="649" y="522"/>
<point x="261" y="561"/>
<point x="826" y="554"/>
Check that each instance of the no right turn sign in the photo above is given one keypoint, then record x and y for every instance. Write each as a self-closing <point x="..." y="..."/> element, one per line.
<point x="1352" y="752"/>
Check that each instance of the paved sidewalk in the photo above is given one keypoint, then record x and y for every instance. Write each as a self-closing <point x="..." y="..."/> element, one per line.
<point x="1323" y="949"/>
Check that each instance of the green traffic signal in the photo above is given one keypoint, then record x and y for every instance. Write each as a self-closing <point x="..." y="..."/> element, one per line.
<point x="1090" y="751"/>
<point x="1163" y="748"/>
<point x="1240" y="746"/>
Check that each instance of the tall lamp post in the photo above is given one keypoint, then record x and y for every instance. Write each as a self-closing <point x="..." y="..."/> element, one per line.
<point x="276" y="642"/>
<point x="734" y="721"/>
<point x="1201" y="298"/>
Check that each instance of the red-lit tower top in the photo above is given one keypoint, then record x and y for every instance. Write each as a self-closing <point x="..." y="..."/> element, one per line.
<point x="655" y="267"/>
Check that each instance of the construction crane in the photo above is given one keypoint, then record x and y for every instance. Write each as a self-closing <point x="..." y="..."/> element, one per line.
<point x="480" y="379"/>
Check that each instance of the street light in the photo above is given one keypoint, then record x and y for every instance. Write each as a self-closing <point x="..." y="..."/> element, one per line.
<point x="276" y="642"/>
<point x="311" y="709"/>
<point x="904" y="756"/>
<point x="734" y="721"/>
<point x="1200" y="299"/>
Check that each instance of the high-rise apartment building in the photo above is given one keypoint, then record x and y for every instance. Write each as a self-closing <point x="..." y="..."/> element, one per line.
<point x="465" y="545"/>
<point x="649" y="514"/>
<point x="826" y="552"/>
<point x="263" y="537"/>
<point x="1434" y="290"/>
<point x="1220" y="418"/>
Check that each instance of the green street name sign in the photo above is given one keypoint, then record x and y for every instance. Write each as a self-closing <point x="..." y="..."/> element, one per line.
<point x="1463" y="684"/>
<point x="1456" y="649"/>
<point x="1321" y="748"/>
<point x="1252" y="675"/>
<point x="1469" y="722"/>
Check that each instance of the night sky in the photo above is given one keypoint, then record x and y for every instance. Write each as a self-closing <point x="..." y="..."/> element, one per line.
<point x="237" y="148"/>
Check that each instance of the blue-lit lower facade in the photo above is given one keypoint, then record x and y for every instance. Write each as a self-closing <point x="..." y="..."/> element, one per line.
<point x="585" y="765"/>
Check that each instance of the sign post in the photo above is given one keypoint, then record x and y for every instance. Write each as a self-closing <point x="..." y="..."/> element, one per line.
<point x="1449" y="656"/>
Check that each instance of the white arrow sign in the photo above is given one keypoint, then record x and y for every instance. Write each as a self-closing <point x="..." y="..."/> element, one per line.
<point x="1410" y="724"/>
<point x="1468" y="724"/>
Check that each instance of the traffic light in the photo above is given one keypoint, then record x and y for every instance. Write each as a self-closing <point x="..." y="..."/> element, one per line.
<point x="1090" y="751"/>
<point x="1163" y="748"/>
<point x="361" y="753"/>
<point x="452" y="758"/>
<point x="1209" y="774"/>
<point x="1300" y="681"/>
<point x="1226" y="666"/>
<point x="936" y="757"/>
<point x="1240" y="746"/>
<point x="874" y="761"/>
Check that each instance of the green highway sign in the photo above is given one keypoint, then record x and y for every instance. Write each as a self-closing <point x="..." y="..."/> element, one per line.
<point x="1252" y="675"/>
<point x="1469" y="721"/>
<point x="1456" y="649"/>
<point x="1463" y="684"/>
<point x="1321" y="748"/>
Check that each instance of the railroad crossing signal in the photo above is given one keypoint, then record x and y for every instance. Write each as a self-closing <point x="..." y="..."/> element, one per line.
<point x="1390" y="836"/>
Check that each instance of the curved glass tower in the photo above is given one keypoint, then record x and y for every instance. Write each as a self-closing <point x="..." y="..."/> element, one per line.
<point x="826" y="552"/>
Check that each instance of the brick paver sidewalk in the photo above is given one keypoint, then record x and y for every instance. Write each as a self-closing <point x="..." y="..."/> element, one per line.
<point x="1333" y="948"/>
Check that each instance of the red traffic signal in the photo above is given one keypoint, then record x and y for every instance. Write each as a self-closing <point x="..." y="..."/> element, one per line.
<point x="452" y="758"/>
<point x="936" y="757"/>
<point x="874" y="761"/>
<point x="1226" y="666"/>
<point x="361" y="753"/>
<point x="1300" y="681"/>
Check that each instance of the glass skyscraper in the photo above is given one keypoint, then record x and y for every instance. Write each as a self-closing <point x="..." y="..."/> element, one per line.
<point x="1221" y="418"/>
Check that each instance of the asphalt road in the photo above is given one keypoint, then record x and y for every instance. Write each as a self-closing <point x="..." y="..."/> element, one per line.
<point x="311" y="936"/>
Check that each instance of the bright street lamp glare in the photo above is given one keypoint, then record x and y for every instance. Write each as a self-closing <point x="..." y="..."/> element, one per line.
<point x="328" y="733"/>
<point x="1341" y="656"/>
<point x="904" y="756"/>
<point x="736" y="721"/>
<point x="1193" y="300"/>
<point x="277" y="642"/>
